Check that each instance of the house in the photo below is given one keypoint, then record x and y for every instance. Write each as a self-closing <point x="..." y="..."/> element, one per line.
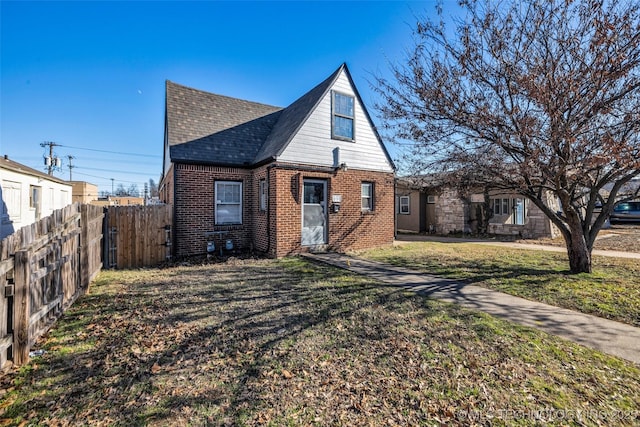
<point x="311" y="176"/>
<point x="430" y="204"/>
<point x="28" y="195"/>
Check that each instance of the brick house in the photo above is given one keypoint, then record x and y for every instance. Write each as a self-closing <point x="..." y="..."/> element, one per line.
<point x="312" y="176"/>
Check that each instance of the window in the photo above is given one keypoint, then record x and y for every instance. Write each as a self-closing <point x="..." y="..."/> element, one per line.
<point x="404" y="205"/>
<point x="501" y="207"/>
<point x="34" y="197"/>
<point x="228" y="197"/>
<point x="518" y="211"/>
<point x="264" y="194"/>
<point x="342" y="117"/>
<point x="367" y="196"/>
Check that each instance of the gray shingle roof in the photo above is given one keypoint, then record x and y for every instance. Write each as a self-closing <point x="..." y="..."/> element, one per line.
<point x="202" y="127"/>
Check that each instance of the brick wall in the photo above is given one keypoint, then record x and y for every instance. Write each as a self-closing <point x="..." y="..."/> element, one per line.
<point x="260" y="218"/>
<point x="350" y="228"/>
<point x="194" y="213"/>
<point x="277" y="232"/>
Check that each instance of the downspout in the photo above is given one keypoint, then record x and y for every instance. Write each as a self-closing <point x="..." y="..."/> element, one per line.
<point x="271" y="166"/>
<point x="395" y="208"/>
<point x="174" y="231"/>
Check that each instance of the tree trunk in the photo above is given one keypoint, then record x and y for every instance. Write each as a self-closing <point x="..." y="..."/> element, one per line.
<point x="578" y="251"/>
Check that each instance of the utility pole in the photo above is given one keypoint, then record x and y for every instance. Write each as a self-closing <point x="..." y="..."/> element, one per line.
<point x="70" y="157"/>
<point x="52" y="161"/>
<point x="111" y="187"/>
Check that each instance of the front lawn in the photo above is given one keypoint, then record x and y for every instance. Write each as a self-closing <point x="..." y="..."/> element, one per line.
<point x="612" y="291"/>
<point x="288" y="342"/>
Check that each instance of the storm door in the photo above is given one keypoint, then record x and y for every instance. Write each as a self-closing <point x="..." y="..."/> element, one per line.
<point x="314" y="212"/>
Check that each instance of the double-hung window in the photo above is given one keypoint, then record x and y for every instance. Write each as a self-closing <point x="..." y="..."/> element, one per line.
<point x="343" y="115"/>
<point x="403" y="207"/>
<point x="367" y="196"/>
<point x="228" y="197"/>
<point x="501" y="207"/>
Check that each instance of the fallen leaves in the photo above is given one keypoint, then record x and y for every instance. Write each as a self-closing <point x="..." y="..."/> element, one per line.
<point x="287" y="343"/>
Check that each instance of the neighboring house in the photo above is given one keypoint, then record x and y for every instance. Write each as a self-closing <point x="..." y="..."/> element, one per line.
<point x="83" y="192"/>
<point x="435" y="207"/>
<point x="119" y="201"/>
<point x="28" y="195"/>
<point x="312" y="176"/>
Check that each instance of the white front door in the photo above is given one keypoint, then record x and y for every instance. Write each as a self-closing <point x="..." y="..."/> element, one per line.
<point x="314" y="212"/>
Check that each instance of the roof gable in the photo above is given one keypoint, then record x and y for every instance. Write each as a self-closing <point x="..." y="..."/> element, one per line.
<point x="314" y="144"/>
<point x="293" y="117"/>
<point x="202" y="127"/>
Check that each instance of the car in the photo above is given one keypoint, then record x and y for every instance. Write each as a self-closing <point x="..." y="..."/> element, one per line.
<point x="625" y="212"/>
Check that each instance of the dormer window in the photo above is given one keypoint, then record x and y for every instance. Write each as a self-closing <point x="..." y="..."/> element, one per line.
<point x="342" y="110"/>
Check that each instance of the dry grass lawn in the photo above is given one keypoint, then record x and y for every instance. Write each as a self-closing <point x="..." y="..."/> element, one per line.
<point x="287" y="342"/>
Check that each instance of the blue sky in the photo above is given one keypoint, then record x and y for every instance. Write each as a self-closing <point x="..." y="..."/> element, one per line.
<point x="90" y="75"/>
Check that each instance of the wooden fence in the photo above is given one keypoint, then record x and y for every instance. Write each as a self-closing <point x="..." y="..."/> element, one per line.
<point x="137" y="236"/>
<point x="44" y="268"/>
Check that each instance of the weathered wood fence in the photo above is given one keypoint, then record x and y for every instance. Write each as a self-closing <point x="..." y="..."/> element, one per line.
<point x="137" y="236"/>
<point x="44" y="268"/>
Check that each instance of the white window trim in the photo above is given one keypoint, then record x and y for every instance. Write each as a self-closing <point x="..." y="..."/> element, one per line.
<point x="334" y="114"/>
<point x="407" y="204"/>
<point x="219" y="203"/>
<point x="524" y="210"/>
<point x="371" y="197"/>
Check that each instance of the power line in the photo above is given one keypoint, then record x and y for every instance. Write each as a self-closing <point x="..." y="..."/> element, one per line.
<point x="113" y="171"/>
<point x="111" y="152"/>
<point x="108" y="180"/>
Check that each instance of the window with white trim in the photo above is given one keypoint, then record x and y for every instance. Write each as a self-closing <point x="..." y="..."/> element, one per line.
<point x="403" y="207"/>
<point x="228" y="197"/>
<point x="501" y="207"/>
<point x="343" y="115"/>
<point x="519" y="211"/>
<point x="264" y="194"/>
<point x="367" y="196"/>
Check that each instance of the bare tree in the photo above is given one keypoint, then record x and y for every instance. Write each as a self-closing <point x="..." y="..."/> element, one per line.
<point x="153" y="188"/>
<point x="539" y="97"/>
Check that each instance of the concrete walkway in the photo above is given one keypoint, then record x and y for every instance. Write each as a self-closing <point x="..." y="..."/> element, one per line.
<point x="610" y="337"/>
<point x="404" y="238"/>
